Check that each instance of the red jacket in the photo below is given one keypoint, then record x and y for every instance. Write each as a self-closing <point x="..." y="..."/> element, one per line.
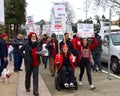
<point x="90" y="47"/>
<point x="76" y="43"/>
<point x="59" y="58"/>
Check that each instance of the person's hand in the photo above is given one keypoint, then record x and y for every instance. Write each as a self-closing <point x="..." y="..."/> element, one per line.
<point x="5" y="59"/>
<point x="21" y="43"/>
<point x="93" y="35"/>
<point x="42" y="55"/>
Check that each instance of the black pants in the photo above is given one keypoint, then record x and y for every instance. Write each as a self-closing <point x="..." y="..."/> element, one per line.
<point x="29" y="70"/>
<point x="85" y="63"/>
<point x="65" y="76"/>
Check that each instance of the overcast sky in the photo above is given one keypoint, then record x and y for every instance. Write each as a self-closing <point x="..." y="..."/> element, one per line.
<point x="41" y="9"/>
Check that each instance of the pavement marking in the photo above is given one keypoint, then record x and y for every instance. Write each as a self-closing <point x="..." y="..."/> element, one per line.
<point x="118" y="77"/>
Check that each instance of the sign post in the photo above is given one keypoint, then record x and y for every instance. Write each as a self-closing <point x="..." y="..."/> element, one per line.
<point x="109" y="47"/>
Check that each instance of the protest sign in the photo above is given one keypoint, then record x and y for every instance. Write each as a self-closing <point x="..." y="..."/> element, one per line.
<point x="58" y="24"/>
<point x="59" y="9"/>
<point x="85" y="30"/>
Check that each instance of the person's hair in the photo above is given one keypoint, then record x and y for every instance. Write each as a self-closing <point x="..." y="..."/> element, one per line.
<point x="82" y="42"/>
<point x="65" y="33"/>
<point x="74" y="36"/>
<point x="29" y="38"/>
<point x="68" y="53"/>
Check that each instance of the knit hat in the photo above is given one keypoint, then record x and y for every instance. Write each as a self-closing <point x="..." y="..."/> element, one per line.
<point x="30" y="34"/>
<point x="63" y="46"/>
<point x="4" y="34"/>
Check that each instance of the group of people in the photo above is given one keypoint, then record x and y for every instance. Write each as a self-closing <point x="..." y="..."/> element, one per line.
<point x="66" y="54"/>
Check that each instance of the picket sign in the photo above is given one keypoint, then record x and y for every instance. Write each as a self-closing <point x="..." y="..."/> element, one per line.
<point x="85" y="30"/>
<point x="58" y="24"/>
<point x="59" y="19"/>
<point x="59" y="9"/>
<point x="46" y="29"/>
<point x="31" y="24"/>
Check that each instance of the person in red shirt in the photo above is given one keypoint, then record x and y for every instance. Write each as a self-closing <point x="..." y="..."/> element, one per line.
<point x="76" y="45"/>
<point x="32" y="61"/>
<point x="85" y="59"/>
<point x="65" y="58"/>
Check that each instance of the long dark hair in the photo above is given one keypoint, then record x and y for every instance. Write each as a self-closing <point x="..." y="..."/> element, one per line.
<point x="87" y="42"/>
<point x="68" y="53"/>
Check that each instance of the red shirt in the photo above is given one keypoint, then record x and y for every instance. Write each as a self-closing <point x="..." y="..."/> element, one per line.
<point x="35" y="57"/>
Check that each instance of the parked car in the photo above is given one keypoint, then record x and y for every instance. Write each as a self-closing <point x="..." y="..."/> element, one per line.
<point x="114" y="49"/>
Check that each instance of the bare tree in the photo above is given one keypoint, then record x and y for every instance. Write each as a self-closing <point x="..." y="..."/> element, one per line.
<point x="114" y="4"/>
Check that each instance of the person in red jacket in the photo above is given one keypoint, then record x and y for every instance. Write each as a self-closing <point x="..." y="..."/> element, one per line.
<point x="65" y="60"/>
<point x="76" y="45"/>
<point x="85" y="59"/>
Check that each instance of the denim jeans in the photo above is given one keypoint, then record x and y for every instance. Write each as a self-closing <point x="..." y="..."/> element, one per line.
<point x="97" y="60"/>
<point x="17" y="60"/>
<point x="45" y="60"/>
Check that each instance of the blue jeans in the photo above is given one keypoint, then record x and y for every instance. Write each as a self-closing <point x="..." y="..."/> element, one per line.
<point x="97" y="60"/>
<point x="17" y="60"/>
<point x="45" y="61"/>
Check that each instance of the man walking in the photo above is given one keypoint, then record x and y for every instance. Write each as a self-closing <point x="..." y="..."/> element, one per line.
<point x="17" y="43"/>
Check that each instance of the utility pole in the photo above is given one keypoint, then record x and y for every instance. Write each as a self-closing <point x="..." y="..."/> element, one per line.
<point x="86" y="8"/>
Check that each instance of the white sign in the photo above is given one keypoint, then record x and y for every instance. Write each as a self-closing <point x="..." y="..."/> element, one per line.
<point x="85" y="30"/>
<point x="58" y="24"/>
<point x="101" y="29"/>
<point x="59" y="9"/>
<point x="46" y="29"/>
<point x="2" y="20"/>
<point x="31" y="25"/>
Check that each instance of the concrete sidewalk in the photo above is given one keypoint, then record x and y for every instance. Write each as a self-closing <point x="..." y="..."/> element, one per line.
<point x="104" y="87"/>
<point x="21" y="91"/>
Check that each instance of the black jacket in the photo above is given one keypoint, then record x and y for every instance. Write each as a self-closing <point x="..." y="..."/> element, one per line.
<point x="28" y="52"/>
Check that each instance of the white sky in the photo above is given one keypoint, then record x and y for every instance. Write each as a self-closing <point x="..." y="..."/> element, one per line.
<point x="41" y="9"/>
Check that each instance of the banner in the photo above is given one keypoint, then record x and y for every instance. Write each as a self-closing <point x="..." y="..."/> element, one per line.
<point x="58" y="24"/>
<point x="85" y="30"/>
<point x="2" y="17"/>
<point x="59" y="10"/>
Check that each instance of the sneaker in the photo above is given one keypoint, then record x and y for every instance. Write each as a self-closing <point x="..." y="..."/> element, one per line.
<point x="66" y="85"/>
<point x="80" y="83"/>
<point x="92" y="87"/>
<point x="72" y="85"/>
<point x="94" y="70"/>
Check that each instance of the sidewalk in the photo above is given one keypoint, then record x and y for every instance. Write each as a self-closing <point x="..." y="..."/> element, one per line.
<point x="21" y="91"/>
<point x="104" y="87"/>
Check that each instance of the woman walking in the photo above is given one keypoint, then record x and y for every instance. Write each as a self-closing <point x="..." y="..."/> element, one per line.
<point x="32" y="61"/>
<point x="85" y="59"/>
